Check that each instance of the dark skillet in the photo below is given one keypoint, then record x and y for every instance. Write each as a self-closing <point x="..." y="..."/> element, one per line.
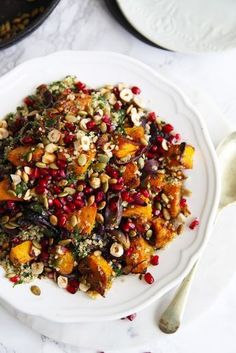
<point x="11" y="9"/>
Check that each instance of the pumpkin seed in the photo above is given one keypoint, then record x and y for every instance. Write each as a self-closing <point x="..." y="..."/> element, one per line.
<point x="101" y="205"/>
<point x="164" y="198"/>
<point x="35" y="290"/>
<point x="69" y="190"/>
<point x="29" y="156"/>
<point x="180" y="229"/>
<point x="73" y="221"/>
<point x="166" y="214"/>
<point x="103" y="127"/>
<point x="63" y="194"/>
<point x="99" y="218"/>
<point x="4" y="219"/>
<point x="36" y="244"/>
<point x="82" y="160"/>
<point x="65" y="242"/>
<point x="40" y="165"/>
<point x="149" y="234"/>
<point x="99" y="167"/>
<point x="103" y="158"/>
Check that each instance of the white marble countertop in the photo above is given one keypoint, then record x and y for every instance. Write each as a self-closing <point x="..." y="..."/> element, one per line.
<point x="88" y="25"/>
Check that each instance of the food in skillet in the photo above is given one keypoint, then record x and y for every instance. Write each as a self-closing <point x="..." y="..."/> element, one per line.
<point x="91" y="185"/>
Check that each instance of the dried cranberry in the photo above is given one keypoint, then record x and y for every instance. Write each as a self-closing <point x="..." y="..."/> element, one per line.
<point x="44" y="256"/>
<point x="150" y="155"/>
<point x="194" y="223"/>
<point x="154" y="148"/>
<point x="152" y="117"/>
<point x="149" y="278"/>
<point x="136" y="90"/>
<point x="167" y="128"/>
<point x="155" y="260"/>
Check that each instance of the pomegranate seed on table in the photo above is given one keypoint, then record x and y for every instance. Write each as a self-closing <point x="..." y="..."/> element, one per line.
<point x="131" y="317"/>
<point x="149" y="278"/>
<point x="155" y="260"/>
<point x="167" y="128"/>
<point x="136" y="90"/>
<point x="152" y="117"/>
<point x="194" y="223"/>
<point x="177" y="137"/>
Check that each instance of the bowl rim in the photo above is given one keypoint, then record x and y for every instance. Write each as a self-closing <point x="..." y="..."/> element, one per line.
<point x="211" y="211"/>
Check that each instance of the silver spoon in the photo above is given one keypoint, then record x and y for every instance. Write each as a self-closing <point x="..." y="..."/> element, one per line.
<point x="171" y="318"/>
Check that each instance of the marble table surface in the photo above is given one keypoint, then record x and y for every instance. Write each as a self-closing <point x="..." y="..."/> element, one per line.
<point x="88" y="25"/>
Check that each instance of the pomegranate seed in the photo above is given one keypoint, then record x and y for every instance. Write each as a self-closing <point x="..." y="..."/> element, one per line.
<point x="57" y="189"/>
<point x="154" y="148"/>
<point x="127" y="226"/>
<point x="57" y="203"/>
<point x="80" y="85"/>
<point x="167" y="128"/>
<point x="138" y="199"/>
<point x="70" y="126"/>
<point x="116" y="91"/>
<point x="140" y="228"/>
<point x="159" y="139"/>
<point x="155" y="260"/>
<point x="43" y="172"/>
<point x="183" y="202"/>
<point x="177" y="137"/>
<point x="113" y="206"/>
<point x="91" y="125"/>
<point x="131" y="317"/>
<point x="100" y="196"/>
<point x="126" y="196"/>
<point x="106" y="119"/>
<point x="67" y="209"/>
<point x="10" y="205"/>
<point x="35" y="173"/>
<point x="15" y="279"/>
<point x="148" y="278"/>
<point x="71" y="206"/>
<point x="150" y="155"/>
<point x="44" y="256"/>
<point x="40" y="189"/>
<point x="50" y="202"/>
<point x="53" y="172"/>
<point x="73" y="286"/>
<point x="194" y="223"/>
<point x="112" y="172"/>
<point x="145" y="193"/>
<point x="62" y="221"/>
<point x="69" y="198"/>
<point x="79" y="203"/>
<point x="88" y="190"/>
<point x="136" y="90"/>
<point x="129" y="251"/>
<point x="61" y="164"/>
<point x="152" y="117"/>
<point x="117" y="105"/>
<point x="43" y="183"/>
<point x="68" y="139"/>
<point x="63" y="200"/>
<point x="116" y="187"/>
<point x="28" y="140"/>
<point x="28" y="101"/>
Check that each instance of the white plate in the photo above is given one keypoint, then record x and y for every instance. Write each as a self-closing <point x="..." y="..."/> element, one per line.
<point x="184" y="25"/>
<point x="128" y="294"/>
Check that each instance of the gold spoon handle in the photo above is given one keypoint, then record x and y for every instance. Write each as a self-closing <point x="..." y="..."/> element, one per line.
<point x="171" y="318"/>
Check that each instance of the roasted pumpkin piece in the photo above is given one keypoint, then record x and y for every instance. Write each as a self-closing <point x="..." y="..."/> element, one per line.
<point x="4" y="194"/>
<point x="65" y="262"/>
<point x="135" y="132"/>
<point x="163" y="232"/>
<point x="173" y="191"/>
<point x="156" y="182"/>
<point x="130" y="175"/>
<point x="181" y="156"/>
<point x="80" y="170"/>
<point x="84" y="101"/>
<point x="86" y="219"/>
<point x="97" y="272"/>
<point x="18" y="155"/>
<point x="125" y="147"/>
<point x="139" y="258"/>
<point x="21" y="254"/>
<point x="142" y="212"/>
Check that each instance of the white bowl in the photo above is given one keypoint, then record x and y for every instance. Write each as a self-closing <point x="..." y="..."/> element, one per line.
<point x="128" y="294"/>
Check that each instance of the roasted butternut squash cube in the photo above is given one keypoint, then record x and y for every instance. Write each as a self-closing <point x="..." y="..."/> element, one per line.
<point x="125" y="147"/>
<point x="187" y="157"/>
<point x="65" y="262"/>
<point x="173" y="191"/>
<point x="135" y="132"/>
<point x="181" y="156"/>
<point x="4" y="194"/>
<point x="156" y="182"/>
<point x="139" y="258"/>
<point x="87" y="219"/>
<point x="142" y="212"/>
<point x="163" y="232"/>
<point x="97" y="272"/>
<point x="18" y="155"/>
<point x="84" y="101"/>
<point x="130" y="175"/>
<point x="20" y="254"/>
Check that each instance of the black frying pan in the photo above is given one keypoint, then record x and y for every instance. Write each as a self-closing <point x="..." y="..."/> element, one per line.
<point x="12" y="9"/>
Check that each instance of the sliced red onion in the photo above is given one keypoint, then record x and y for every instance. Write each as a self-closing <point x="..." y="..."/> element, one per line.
<point x="113" y="217"/>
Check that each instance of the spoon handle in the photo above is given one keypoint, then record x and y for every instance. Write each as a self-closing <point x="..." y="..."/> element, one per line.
<point x="172" y="316"/>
